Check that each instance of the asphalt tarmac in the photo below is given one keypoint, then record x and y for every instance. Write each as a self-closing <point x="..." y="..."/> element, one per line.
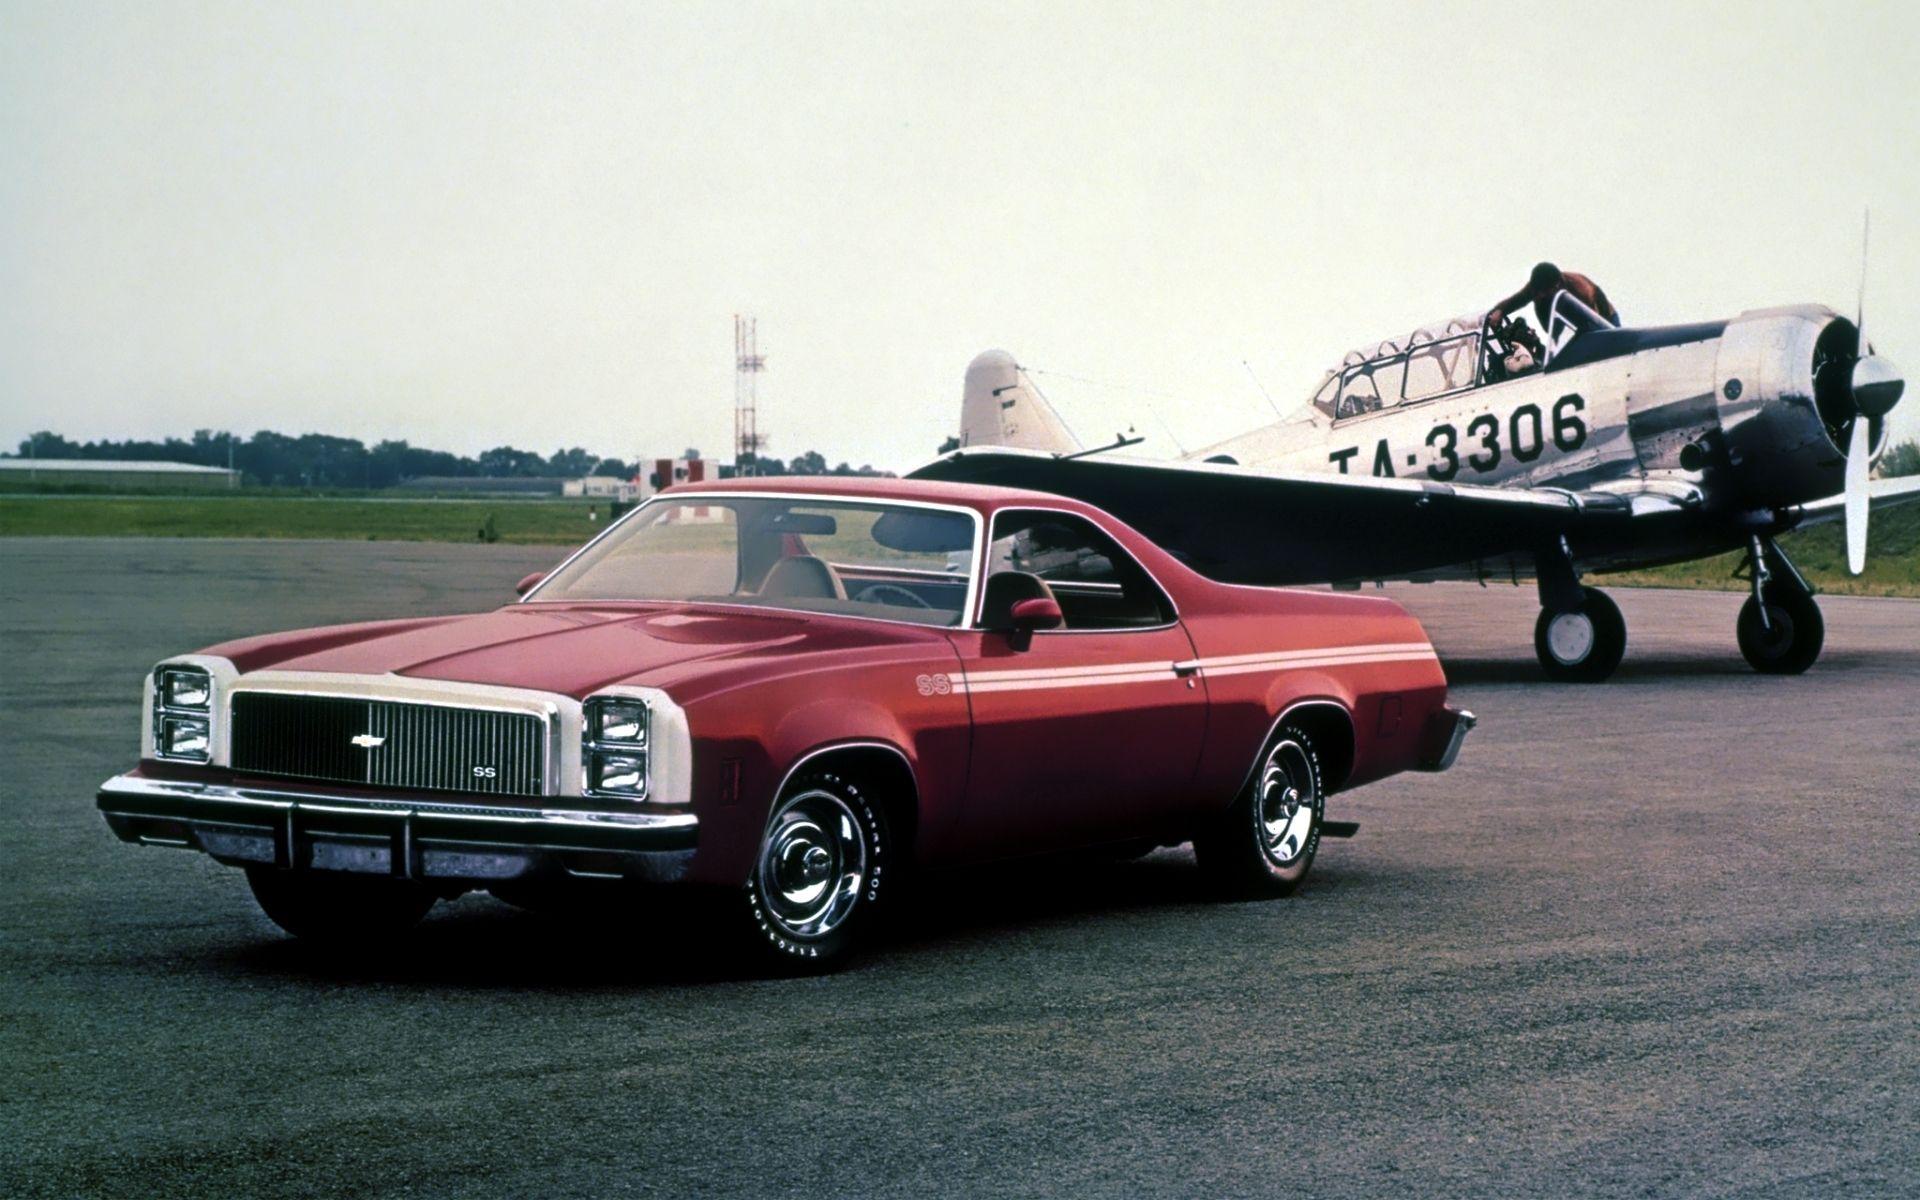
<point x="1654" y="937"/>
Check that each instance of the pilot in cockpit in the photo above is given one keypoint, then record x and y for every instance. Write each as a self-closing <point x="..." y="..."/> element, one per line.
<point x="1548" y="281"/>
<point x="1512" y="349"/>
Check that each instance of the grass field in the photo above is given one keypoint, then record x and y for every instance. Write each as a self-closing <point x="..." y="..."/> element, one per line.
<point x="1893" y="567"/>
<point x="558" y="522"/>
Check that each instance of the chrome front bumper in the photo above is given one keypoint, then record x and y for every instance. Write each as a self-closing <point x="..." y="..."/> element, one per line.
<point x="403" y="837"/>
<point x="1446" y="731"/>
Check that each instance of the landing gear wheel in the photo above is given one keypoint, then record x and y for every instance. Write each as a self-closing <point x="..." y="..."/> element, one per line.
<point x="1791" y="639"/>
<point x="336" y="908"/>
<point x="1582" y="646"/>
<point x="823" y="869"/>
<point x="1265" y="843"/>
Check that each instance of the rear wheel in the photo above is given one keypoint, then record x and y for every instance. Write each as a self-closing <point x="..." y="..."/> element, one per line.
<point x="1789" y="641"/>
<point x="823" y="870"/>
<point x="338" y="908"/>
<point x="1264" y="844"/>
<point x="1583" y="645"/>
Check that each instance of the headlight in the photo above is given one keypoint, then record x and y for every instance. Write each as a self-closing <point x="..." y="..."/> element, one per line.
<point x="183" y="714"/>
<point x="618" y="721"/>
<point x="614" y="752"/>
<point x="185" y="689"/>
<point x="184" y="738"/>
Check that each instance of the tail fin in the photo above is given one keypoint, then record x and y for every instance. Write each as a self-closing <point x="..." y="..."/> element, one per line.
<point x="1002" y="406"/>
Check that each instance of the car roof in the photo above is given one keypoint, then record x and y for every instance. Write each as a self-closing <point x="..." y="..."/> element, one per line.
<point x="871" y="487"/>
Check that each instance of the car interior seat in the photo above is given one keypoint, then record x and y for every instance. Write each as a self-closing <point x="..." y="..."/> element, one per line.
<point x="1006" y="589"/>
<point x="802" y="576"/>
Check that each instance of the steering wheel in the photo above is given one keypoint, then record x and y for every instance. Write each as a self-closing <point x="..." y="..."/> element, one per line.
<point x="881" y="593"/>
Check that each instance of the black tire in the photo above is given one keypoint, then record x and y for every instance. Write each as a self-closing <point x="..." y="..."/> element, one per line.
<point x="1582" y="646"/>
<point x="824" y="833"/>
<point x="1264" y="844"/>
<point x="1790" y="641"/>
<point x="338" y="908"/>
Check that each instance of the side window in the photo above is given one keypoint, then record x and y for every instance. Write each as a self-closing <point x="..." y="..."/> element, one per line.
<point x="1371" y="386"/>
<point x="1098" y="584"/>
<point x="1441" y="367"/>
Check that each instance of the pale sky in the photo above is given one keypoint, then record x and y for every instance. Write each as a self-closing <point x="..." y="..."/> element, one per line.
<point x="468" y="225"/>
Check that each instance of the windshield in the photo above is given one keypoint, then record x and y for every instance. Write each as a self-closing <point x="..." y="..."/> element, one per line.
<point x="860" y="559"/>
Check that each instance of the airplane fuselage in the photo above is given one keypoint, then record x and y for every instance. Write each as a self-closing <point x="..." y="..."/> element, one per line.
<point x="1722" y="418"/>
<point x="1628" y="447"/>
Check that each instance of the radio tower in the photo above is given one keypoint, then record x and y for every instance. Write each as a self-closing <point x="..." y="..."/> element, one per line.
<point x="748" y="362"/>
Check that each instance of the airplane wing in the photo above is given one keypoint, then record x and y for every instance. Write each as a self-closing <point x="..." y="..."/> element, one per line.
<point x="1242" y="525"/>
<point x="1881" y="493"/>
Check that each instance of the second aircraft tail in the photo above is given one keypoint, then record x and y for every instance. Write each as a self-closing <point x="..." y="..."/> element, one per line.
<point x="1002" y="406"/>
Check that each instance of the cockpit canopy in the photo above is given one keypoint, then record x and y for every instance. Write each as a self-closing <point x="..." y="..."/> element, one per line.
<point x="1441" y="358"/>
<point x="1431" y="361"/>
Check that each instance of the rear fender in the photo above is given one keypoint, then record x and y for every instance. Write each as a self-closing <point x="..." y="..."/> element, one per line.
<point x="1315" y="704"/>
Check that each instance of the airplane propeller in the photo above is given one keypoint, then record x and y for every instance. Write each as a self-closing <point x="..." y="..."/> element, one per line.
<point x="1859" y="450"/>
<point x="1876" y="385"/>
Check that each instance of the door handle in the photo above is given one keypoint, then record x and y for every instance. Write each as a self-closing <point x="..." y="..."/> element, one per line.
<point x="1188" y="669"/>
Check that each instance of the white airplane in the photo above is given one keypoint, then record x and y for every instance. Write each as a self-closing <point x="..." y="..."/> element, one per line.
<point x="1464" y="451"/>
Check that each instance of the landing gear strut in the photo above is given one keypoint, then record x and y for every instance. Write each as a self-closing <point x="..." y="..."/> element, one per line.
<point x="1780" y="627"/>
<point x="1580" y="636"/>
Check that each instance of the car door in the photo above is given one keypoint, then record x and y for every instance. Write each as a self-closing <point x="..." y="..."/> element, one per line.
<point x="1084" y="733"/>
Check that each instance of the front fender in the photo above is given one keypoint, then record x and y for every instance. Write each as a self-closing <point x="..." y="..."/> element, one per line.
<point x="750" y="748"/>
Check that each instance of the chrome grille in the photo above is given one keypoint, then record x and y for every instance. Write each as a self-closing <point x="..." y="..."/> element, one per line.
<point x="384" y="743"/>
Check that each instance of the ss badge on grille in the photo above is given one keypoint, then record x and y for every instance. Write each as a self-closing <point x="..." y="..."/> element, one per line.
<point x="484" y="773"/>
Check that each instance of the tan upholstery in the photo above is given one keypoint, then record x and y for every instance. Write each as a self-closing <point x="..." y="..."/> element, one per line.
<point x="1006" y="589"/>
<point x="804" y="577"/>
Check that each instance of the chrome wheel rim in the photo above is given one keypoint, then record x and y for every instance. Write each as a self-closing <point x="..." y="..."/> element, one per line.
<point x="812" y="865"/>
<point x="1287" y="805"/>
<point x="1570" y="637"/>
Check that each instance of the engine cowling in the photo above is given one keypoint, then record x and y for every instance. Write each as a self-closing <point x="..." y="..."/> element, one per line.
<point x="1786" y="397"/>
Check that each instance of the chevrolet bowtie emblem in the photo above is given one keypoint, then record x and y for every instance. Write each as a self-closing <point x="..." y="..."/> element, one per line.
<point x="368" y="741"/>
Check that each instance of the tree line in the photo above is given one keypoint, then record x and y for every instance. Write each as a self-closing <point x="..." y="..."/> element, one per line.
<point x="321" y="460"/>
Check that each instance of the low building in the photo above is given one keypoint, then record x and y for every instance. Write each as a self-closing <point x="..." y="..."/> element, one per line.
<point x="610" y="487"/>
<point x="659" y="473"/>
<point x="130" y="474"/>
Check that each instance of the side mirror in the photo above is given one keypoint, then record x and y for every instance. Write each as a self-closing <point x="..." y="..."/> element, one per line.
<point x="1037" y="613"/>
<point x="1029" y="615"/>
<point x="529" y="583"/>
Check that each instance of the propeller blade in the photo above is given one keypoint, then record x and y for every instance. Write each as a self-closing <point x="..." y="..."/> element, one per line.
<point x="1860" y="314"/>
<point x="1858" y="452"/>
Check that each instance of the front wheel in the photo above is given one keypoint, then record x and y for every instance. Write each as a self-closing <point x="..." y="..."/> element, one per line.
<point x="339" y="909"/>
<point x="1264" y="844"/>
<point x="823" y="869"/>
<point x="1789" y="641"/>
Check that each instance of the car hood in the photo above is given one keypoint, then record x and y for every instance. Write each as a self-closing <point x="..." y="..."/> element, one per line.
<point x="571" y="649"/>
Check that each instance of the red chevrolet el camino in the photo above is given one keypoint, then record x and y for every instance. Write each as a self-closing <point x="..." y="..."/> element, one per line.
<point x="796" y="690"/>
